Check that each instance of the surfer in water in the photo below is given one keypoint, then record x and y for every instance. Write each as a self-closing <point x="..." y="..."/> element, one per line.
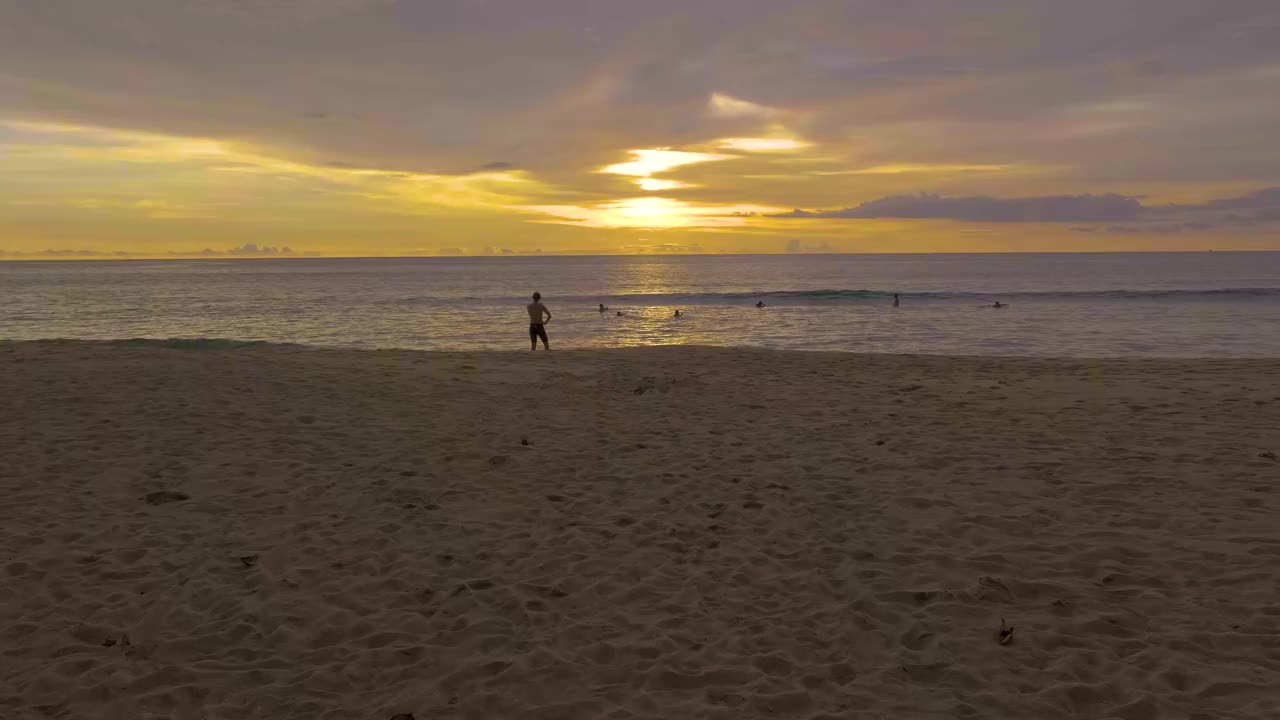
<point x="602" y="307"/>
<point x="539" y="316"/>
<point x="895" y="299"/>
<point x="998" y="304"/>
<point x="760" y="304"/>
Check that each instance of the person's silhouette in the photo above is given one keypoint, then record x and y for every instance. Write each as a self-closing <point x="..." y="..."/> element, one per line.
<point x="539" y="316"/>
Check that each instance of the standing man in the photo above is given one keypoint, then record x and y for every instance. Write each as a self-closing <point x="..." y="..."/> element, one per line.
<point x="539" y="315"/>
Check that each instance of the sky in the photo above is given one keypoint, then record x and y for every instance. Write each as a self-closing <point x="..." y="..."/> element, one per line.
<point x="426" y="127"/>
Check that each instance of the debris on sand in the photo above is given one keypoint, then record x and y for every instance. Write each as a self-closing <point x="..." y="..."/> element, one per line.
<point x="1006" y="633"/>
<point x="249" y="560"/>
<point x="160" y="497"/>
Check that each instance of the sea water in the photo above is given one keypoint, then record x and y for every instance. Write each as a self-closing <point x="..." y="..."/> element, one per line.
<point x="1082" y="305"/>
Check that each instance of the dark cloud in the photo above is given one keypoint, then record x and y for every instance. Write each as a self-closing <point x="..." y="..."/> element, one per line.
<point x="563" y="85"/>
<point x="1264" y="203"/>
<point x="1256" y="208"/>
<point x="1057" y="208"/>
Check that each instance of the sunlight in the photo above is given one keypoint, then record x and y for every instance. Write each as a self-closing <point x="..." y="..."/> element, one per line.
<point x="653" y="212"/>
<point x="656" y="184"/>
<point x="650" y="161"/>
<point x="753" y="144"/>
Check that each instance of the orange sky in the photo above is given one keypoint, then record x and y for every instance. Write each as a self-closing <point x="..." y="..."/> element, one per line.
<point x="362" y="127"/>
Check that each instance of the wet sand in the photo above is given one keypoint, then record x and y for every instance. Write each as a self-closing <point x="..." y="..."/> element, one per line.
<point x="204" y="531"/>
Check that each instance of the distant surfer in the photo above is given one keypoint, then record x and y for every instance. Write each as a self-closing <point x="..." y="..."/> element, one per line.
<point x="539" y="316"/>
<point x="760" y="304"/>
<point x="677" y="313"/>
<point x="895" y="299"/>
<point x="619" y="313"/>
<point x="998" y="304"/>
<point x="602" y="307"/>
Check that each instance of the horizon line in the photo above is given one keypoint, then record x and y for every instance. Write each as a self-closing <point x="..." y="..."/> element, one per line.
<point x="172" y="257"/>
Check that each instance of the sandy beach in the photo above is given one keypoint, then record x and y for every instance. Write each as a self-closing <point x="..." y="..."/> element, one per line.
<point x="202" y="531"/>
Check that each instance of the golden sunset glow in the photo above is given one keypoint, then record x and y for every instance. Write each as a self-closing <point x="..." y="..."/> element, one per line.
<point x="654" y="213"/>
<point x="650" y="162"/>
<point x="762" y="144"/>
<point x="853" y="136"/>
<point x="655" y="184"/>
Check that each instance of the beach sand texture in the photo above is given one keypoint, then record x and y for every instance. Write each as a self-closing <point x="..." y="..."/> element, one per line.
<point x="200" y="531"/>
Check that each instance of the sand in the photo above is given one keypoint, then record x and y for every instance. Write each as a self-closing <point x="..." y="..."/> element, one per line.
<point x="206" y="531"/>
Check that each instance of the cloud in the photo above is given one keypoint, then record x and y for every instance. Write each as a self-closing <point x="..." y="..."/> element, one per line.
<point x="762" y="144"/>
<point x="560" y="85"/>
<point x="648" y="162"/>
<point x="922" y="168"/>
<point x="1260" y="206"/>
<point x="251" y="249"/>
<point x="650" y="212"/>
<point x="248" y="250"/>
<point x="726" y="106"/>
<point x="1053" y="208"/>
<point x="528" y="101"/>
<point x="663" y="249"/>
<point x="655" y="184"/>
<point x="1256" y="208"/>
<point x="796" y="246"/>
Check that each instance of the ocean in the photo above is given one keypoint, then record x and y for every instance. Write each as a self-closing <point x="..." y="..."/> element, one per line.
<point x="1069" y="305"/>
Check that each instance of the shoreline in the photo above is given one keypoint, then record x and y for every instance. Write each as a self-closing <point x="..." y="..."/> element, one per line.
<point x="273" y="531"/>
<point x="210" y="344"/>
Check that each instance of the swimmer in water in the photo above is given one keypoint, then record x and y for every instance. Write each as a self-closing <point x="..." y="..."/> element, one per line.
<point x="895" y="299"/>
<point x="998" y="304"/>
<point x="677" y="313"/>
<point x="760" y="304"/>
<point x="620" y="313"/>
<point x="602" y="307"/>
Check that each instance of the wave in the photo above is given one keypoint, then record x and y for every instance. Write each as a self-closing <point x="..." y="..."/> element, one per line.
<point x="822" y="297"/>
<point x="197" y="343"/>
